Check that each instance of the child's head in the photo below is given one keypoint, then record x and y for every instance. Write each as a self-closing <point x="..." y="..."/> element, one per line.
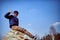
<point x="16" y="13"/>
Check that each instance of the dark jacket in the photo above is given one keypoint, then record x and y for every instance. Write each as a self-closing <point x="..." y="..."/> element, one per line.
<point x="12" y="19"/>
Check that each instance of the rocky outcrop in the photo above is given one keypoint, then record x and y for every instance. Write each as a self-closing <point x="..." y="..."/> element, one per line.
<point x="16" y="35"/>
<point x="49" y="37"/>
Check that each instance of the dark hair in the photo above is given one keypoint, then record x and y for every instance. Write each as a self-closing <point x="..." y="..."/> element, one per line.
<point x="16" y="12"/>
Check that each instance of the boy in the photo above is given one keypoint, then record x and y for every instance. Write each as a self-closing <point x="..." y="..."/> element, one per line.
<point x="14" y="23"/>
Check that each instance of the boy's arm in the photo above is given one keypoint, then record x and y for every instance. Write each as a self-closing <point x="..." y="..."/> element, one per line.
<point x="7" y="15"/>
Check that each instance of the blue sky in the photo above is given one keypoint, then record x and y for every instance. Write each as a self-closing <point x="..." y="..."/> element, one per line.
<point x="35" y="16"/>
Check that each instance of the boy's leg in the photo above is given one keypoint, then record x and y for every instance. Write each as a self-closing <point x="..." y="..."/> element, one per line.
<point x="17" y="28"/>
<point x="22" y="30"/>
<point x="28" y="33"/>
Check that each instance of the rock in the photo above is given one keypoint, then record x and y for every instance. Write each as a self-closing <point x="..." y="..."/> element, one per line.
<point x="16" y="35"/>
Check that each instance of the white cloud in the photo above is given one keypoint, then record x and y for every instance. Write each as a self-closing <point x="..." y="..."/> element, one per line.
<point x="33" y="10"/>
<point x="56" y="23"/>
<point x="29" y="25"/>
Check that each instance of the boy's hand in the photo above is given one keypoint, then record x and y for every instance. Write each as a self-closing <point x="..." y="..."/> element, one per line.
<point x="10" y="11"/>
